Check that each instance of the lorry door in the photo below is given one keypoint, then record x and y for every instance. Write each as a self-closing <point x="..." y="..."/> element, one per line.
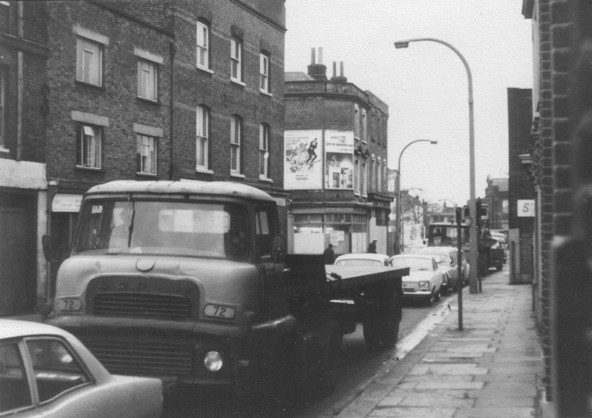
<point x="272" y="270"/>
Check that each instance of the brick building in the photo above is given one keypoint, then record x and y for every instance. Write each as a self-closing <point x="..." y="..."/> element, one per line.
<point x="560" y="165"/>
<point x="23" y="183"/>
<point x="94" y="91"/>
<point x="496" y="199"/>
<point x="520" y="191"/>
<point x="335" y="162"/>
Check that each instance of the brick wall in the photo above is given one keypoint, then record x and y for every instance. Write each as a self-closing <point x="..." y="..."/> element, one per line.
<point x="224" y="98"/>
<point x="116" y="99"/>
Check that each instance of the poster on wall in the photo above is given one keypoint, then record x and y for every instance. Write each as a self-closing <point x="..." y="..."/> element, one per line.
<point x="339" y="159"/>
<point x="303" y="166"/>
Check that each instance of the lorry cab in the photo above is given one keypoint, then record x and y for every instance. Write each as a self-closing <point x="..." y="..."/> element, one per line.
<point x="168" y="278"/>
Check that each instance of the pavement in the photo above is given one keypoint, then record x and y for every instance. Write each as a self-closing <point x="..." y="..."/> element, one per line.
<point x="491" y="368"/>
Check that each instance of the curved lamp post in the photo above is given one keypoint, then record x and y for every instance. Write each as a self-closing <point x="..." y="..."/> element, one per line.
<point x="474" y="286"/>
<point x="398" y="193"/>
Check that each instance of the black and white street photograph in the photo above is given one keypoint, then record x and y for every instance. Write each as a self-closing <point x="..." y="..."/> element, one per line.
<point x="295" y="208"/>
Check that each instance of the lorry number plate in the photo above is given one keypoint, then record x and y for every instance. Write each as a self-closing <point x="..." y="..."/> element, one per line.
<point x="69" y="304"/>
<point x="219" y="311"/>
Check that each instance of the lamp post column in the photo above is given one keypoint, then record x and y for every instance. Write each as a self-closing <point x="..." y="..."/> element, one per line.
<point x="474" y="279"/>
<point x="398" y="194"/>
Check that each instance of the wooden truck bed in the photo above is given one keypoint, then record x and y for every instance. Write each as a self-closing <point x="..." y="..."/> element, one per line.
<point x="309" y="274"/>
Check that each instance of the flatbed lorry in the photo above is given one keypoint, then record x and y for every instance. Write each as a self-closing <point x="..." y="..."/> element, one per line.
<point x="189" y="281"/>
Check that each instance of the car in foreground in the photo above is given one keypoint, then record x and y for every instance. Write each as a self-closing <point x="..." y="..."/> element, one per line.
<point x="425" y="278"/>
<point x="446" y="258"/>
<point x="47" y="372"/>
<point x="363" y="259"/>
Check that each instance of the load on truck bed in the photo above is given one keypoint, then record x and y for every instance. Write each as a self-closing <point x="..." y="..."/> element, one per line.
<point x="190" y="281"/>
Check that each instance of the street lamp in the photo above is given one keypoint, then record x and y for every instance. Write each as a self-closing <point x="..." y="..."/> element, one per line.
<point x="398" y="193"/>
<point x="474" y="286"/>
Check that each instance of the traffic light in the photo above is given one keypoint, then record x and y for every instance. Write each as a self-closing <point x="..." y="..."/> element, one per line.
<point x="481" y="211"/>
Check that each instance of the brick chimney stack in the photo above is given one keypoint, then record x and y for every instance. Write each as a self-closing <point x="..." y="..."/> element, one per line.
<point x="317" y="71"/>
<point x="338" y="78"/>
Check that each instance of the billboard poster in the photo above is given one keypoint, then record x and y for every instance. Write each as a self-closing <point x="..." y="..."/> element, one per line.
<point x="303" y="165"/>
<point x="339" y="159"/>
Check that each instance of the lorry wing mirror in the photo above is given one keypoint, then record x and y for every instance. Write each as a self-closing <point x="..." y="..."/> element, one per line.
<point x="278" y="249"/>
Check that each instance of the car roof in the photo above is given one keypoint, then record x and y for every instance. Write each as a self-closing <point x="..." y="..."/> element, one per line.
<point x="362" y="256"/>
<point x="424" y="256"/>
<point x="436" y="250"/>
<point x="12" y="328"/>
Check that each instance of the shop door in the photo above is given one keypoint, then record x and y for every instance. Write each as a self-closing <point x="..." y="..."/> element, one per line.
<point x="17" y="260"/>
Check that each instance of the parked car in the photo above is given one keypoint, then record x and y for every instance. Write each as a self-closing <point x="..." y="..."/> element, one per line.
<point x="446" y="259"/>
<point x="425" y="278"/>
<point x="47" y="372"/>
<point x="363" y="259"/>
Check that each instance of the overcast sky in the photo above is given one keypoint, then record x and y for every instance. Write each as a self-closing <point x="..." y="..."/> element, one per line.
<point x="425" y="85"/>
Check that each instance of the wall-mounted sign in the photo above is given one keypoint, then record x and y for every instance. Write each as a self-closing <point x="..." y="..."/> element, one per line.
<point x="339" y="159"/>
<point x="66" y="202"/>
<point x="303" y="164"/>
<point x="526" y="208"/>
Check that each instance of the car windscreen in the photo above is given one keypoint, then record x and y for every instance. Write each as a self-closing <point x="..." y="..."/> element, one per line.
<point x="203" y="229"/>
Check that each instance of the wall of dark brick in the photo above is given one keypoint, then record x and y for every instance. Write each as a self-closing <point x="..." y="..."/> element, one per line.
<point x="116" y="99"/>
<point x="224" y="98"/>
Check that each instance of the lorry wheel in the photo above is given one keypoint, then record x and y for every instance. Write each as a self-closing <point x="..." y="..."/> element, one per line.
<point x="325" y="379"/>
<point x="381" y="321"/>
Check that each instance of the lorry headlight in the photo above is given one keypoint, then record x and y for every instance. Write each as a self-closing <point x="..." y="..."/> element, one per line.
<point x="424" y="285"/>
<point x="213" y="361"/>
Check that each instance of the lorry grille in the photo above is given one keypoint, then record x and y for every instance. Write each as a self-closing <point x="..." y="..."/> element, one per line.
<point x="142" y="358"/>
<point x="142" y="305"/>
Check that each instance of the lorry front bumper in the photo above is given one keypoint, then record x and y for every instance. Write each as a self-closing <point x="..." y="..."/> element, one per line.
<point x="175" y="350"/>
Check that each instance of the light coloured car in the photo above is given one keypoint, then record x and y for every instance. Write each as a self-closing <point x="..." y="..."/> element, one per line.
<point x="425" y="278"/>
<point x="363" y="259"/>
<point x="446" y="259"/>
<point x="47" y="372"/>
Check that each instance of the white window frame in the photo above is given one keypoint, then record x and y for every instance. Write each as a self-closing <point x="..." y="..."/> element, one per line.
<point x="146" y="154"/>
<point x="236" y="133"/>
<point x="202" y="45"/>
<point x="202" y="129"/>
<point x="356" y="121"/>
<point x="89" y="61"/>
<point x="236" y="59"/>
<point x="3" y="118"/>
<point x="89" y="140"/>
<point x="364" y="179"/>
<point x="147" y="80"/>
<point x="264" y="66"/>
<point x="372" y="173"/>
<point x="357" y="176"/>
<point x="364" y="126"/>
<point x="379" y="184"/>
<point x="264" y="151"/>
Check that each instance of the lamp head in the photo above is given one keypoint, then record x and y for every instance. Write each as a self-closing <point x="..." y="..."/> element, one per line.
<point x="433" y="142"/>
<point x="402" y="44"/>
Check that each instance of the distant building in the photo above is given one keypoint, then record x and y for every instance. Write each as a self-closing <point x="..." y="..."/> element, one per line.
<point x="496" y="199"/>
<point x="521" y="196"/>
<point x="335" y="162"/>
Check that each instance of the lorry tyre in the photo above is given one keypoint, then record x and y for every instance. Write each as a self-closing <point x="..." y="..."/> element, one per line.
<point x="324" y="379"/>
<point x="381" y="321"/>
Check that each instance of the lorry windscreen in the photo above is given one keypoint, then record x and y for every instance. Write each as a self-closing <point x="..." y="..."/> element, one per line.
<point x="200" y="229"/>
